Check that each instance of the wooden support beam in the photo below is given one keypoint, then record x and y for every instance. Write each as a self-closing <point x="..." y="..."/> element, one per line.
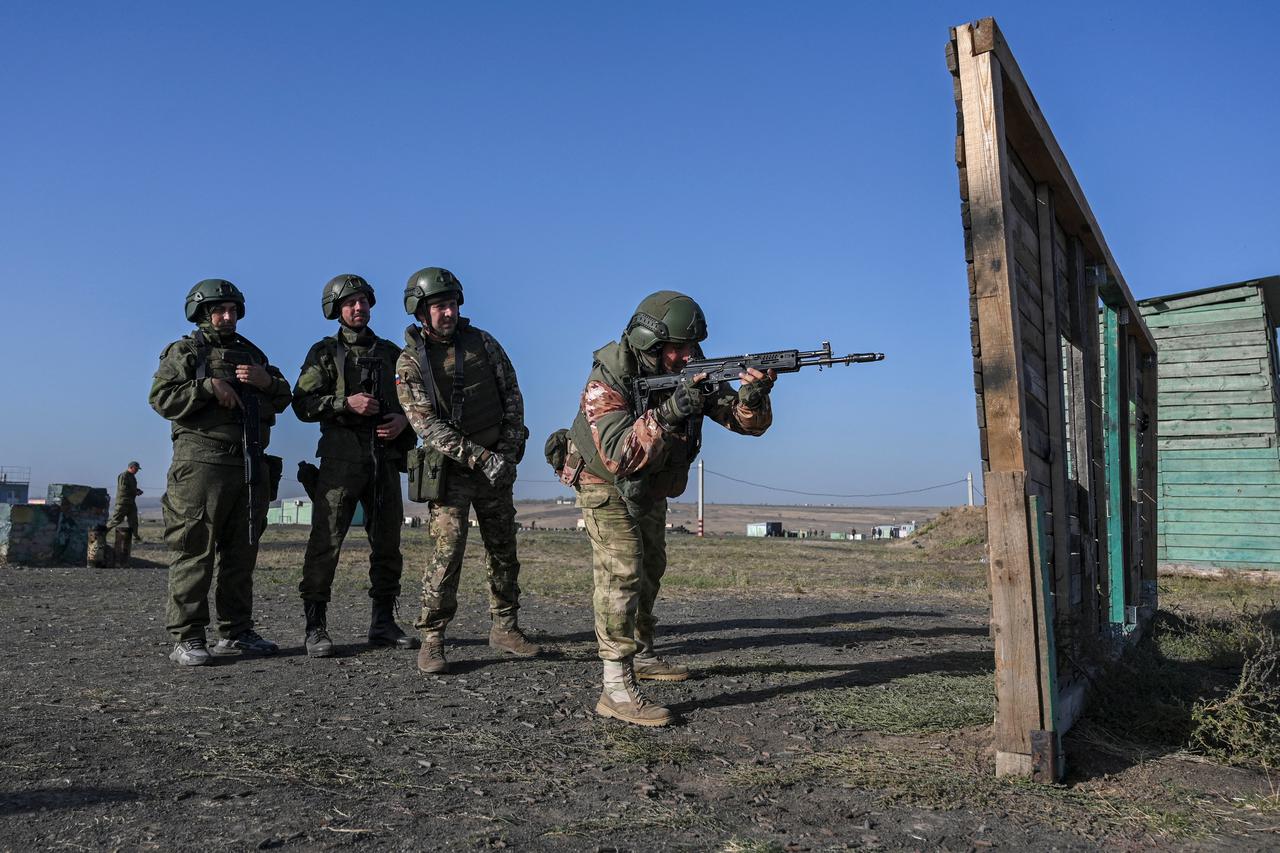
<point x="1111" y="438"/>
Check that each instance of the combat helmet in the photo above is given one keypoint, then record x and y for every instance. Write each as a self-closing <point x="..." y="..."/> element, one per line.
<point x="666" y="317"/>
<point x="341" y="288"/>
<point x="211" y="291"/>
<point x="432" y="284"/>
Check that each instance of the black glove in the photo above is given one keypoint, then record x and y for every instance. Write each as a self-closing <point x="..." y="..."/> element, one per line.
<point x="753" y="394"/>
<point x="498" y="470"/>
<point x="685" y="400"/>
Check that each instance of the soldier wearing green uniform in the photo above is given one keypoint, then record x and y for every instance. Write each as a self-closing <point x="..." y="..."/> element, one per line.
<point x="126" y="509"/>
<point x="459" y="391"/>
<point x="202" y="386"/>
<point x="348" y="386"/>
<point x="624" y="469"/>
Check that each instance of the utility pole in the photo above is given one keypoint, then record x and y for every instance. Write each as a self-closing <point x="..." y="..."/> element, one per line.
<point x="701" y="529"/>
<point x="969" y="479"/>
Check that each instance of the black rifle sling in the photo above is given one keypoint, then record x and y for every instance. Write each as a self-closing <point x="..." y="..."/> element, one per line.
<point x="428" y="378"/>
<point x="458" y="396"/>
<point x="340" y="360"/>
<point x="202" y="354"/>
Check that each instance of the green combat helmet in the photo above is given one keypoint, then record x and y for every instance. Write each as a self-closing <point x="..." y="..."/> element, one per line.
<point x="211" y="291"/>
<point x="432" y="284"/>
<point x="666" y="317"/>
<point x="341" y="288"/>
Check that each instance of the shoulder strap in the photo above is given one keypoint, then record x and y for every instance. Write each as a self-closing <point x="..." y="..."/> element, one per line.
<point x="459" y="394"/>
<point x="202" y="354"/>
<point x="340" y="360"/>
<point x="428" y="376"/>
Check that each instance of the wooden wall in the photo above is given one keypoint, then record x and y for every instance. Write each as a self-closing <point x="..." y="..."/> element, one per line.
<point x="1068" y="459"/>
<point x="1219" y="453"/>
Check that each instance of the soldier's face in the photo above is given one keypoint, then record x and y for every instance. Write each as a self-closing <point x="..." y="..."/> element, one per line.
<point x="355" y="311"/>
<point x="673" y="357"/>
<point x="223" y="316"/>
<point x="443" y="317"/>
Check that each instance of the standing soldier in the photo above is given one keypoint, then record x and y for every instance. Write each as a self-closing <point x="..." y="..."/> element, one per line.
<point x="205" y="385"/>
<point x="625" y="467"/>
<point x="459" y="391"/>
<point x="126" y="510"/>
<point x="348" y="386"/>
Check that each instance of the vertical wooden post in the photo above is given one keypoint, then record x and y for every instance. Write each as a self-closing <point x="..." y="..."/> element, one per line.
<point x="1111" y="440"/>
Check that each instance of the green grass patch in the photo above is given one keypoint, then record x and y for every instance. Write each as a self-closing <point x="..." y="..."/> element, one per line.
<point x="915" y="704"/>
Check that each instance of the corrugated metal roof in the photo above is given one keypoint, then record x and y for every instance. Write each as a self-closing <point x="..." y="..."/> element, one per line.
<point x="1270" y="293"/>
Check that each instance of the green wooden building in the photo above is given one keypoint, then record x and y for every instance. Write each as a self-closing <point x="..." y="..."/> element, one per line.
<point x="1219" y="432"/>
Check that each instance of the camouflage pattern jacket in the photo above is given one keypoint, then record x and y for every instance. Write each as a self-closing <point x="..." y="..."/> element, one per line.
<point x="126" y="489"/>
<point x="434" y="428"/>
<point x="320" y="396"/>
<point x="635" y="454"/>
<point x="202" y="430"/>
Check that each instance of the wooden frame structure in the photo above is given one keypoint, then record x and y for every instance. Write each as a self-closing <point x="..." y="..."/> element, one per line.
<point x="1065" y="378"/>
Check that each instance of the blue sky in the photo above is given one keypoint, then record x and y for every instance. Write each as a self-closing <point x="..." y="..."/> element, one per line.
<point x="788" y="164"/>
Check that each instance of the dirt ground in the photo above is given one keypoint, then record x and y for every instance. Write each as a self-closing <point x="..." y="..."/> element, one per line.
<point x="105" y="744"/>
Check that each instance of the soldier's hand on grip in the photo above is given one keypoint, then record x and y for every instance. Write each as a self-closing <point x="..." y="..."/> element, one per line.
<point x="363" y="404"/>
<point x="755" y="387"/>
<point x="227" y="396"/>
<point x="255" y="375"/>
<point x="685" y="400"/>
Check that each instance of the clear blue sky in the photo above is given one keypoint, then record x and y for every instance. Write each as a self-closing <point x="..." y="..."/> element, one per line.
<point x="788" y="164"/>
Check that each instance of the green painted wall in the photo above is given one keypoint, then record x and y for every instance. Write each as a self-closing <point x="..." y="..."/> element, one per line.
<point x="1219" y="449"/>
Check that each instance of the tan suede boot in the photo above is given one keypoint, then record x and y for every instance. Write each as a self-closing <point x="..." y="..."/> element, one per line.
<point x="431" y="658"/>
<point x="506" y="636"/>
<point x="653" y="668"/>
<point x="621" y="698"/>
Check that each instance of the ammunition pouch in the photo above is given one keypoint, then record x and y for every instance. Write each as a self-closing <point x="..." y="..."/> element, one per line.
<point x="308" y="476"/>
<point x="275" y="471"/>
<point x="556" y="449"/>
<point x="426" y="474"/>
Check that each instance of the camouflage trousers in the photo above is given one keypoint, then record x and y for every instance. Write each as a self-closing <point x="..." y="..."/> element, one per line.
<point x="628" y="558"/>
<point x="126" y="515"/>
<point x="340" y="486"/>
<point x="206" y="526"/>
<point x="496" y="516"/>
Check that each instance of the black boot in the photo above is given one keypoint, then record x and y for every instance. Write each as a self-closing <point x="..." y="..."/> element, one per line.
<point x="318" y="643"/>
<point x="383" y="630"/>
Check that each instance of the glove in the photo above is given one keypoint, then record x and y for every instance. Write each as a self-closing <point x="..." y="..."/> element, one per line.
<point x="753" y="394"/>
<point x="498" y="470"/>
<point x="685" y="400"/>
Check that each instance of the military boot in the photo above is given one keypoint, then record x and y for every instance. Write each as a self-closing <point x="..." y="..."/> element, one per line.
<point x="506" y="636"/>
<point x="318" y="643"/>
<point x="621" y="698"/>
<point x="648" y="665"/>
<point x="383" y="630"/>
<point x="431" y="658"/>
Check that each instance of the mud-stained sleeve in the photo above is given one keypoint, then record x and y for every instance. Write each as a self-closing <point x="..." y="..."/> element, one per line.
<point x="723" y="407"/>
<point x="314" y="397"/>
<point x="514" y="434"/>
<point x="175" y="391"/>
<point x="625" y="444"/>
<point x="433" y="430"/>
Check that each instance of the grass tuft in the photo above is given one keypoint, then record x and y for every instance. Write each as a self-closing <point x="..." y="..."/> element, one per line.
<point x="915" y="704"/>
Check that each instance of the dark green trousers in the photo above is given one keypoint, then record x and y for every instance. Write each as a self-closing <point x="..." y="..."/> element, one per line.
<point x="206" y="526"/>
<point x="125" y="514"/>
<point x="340" y="486"/>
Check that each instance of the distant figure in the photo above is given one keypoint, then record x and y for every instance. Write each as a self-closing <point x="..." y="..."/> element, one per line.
<point x="348" y="386"/>
<point x="206" y="385"/>
<point x="127" y="492"/>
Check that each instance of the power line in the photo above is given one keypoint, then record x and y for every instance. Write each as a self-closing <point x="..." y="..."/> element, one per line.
<point x="829" y="494"/>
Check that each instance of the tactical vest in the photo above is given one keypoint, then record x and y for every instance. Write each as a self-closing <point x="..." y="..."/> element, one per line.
<point x="213" y="361"/>
<point x="472" y="403"/>
<point x="664" y="477"/>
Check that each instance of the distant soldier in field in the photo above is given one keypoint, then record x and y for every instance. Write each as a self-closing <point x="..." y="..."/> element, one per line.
<point x="202" y="386"/>
<point x="459" y="391"/>
<point x="348" y="386"/>
<point x="624" y="469"/>
<point x="126" y="509"/>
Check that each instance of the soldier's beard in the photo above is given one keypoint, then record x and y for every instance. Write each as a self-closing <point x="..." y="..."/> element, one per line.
<point x="444" y="331"/>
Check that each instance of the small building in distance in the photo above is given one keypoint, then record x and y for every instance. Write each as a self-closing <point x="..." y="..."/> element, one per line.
<point x="298" y="511"/>
<point x="1218" y="435"/>
<point x="15" y="484"/>
<point x="764" y="528"/>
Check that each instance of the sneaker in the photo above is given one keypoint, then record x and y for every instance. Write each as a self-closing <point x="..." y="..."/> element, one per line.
<point x="246" y="642"/>
<point x="190" y="652"/>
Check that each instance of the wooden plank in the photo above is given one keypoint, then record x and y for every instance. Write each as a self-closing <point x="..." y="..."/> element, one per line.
<point x="1260" y="426"/>
<point x="1013" y="615"/>
<point x="1196" y="317"/>
<point x="1196" y="555"/>
<point x="1239" y="302"/>
<point x="986" y="166"/>
<point x="1034" y="384"/>
<point x="1219" y="478"/>
<point x="1220" y="541"/>
<point x="1217" y="442"/>
<point x="1235" y="533"/>
<point x="1224" y="516"/>
<point x="1220" y="453"/>
<point x="1172" y="465"/>
<point x="1226" y="340"/>
<point x="1166" y="333"/>
<point x="1178" y="356"/>
<point x="1217" y="297"/>
<point x="1228" y="504"/>
<point x="1042" y="587"/>
<point x="1111" y="406"/>
<point x="1223" y="369"/>
<point x="1213" y="397"/>
<point x="1218" y="411"/>
<point x="1056" y="408"/>
<point x="1224" y="490"/>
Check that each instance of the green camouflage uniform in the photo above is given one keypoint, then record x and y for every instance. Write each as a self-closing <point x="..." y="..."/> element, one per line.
<point x="126" y="509"/>
<point x="206" y="499"/>
<point x="632" y="465"/>
<point x="346" y="467"/>
<point x="492" y="422"/>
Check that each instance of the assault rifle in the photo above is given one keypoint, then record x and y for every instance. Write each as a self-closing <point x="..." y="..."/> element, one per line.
<point x="250" y="439"/>
<point x="718" y="370"/>
<point x="371" y="384"/>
